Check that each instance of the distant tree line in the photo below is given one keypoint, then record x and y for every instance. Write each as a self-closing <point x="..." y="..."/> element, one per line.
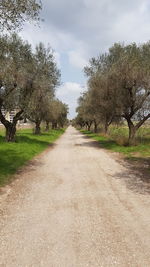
<point x="28" y="81"/>
<point x="118" y="88"/>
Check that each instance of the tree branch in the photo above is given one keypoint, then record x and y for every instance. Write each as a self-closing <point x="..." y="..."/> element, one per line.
<point x="142" y="121"/>
<point x="142" y="101"/>
<point x="17" y="116"/>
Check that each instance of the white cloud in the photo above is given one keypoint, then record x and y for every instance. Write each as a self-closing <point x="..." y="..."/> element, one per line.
<point x="76" y="59"/>
<point x="68" y="88"/>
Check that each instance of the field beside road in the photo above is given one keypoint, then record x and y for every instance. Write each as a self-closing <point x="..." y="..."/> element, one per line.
<point x="27" y="145"/>
<point x="117" y="138"/>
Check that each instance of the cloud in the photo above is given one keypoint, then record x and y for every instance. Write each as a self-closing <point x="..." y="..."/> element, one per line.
<point x="84" y="28"/>
<point x="76" y="59"/>
<point x="69" y="87"/>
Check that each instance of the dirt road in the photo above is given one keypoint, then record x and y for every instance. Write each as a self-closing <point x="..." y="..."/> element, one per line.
<point x="75" y="206"/>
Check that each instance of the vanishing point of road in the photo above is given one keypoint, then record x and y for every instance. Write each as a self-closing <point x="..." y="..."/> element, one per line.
<point x="75" y="206"/>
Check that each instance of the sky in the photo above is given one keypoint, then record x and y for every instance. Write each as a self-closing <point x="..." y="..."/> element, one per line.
<point x="80" y="29"/>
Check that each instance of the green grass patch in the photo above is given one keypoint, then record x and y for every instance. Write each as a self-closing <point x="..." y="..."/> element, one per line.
<point x="140" y="151"/>
<point x="27" y="145"/>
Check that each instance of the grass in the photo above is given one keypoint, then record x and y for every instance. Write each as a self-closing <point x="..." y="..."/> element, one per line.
<point x="117" y="136"/>
<point x="27" y="145"/>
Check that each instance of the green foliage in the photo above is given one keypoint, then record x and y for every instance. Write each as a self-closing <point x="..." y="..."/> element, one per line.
<point x="27" y="145"/>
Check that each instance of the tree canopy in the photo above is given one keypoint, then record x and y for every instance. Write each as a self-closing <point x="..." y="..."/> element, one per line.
<point x="13" y="13"/>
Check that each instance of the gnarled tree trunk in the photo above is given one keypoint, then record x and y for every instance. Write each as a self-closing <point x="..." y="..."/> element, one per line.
<point x="47" y="126"/>
<point x="37" y="127"/>
<point x="132" y="132"/>
<point x="107" y="123"/>
<point x="54" y="125"/>
<point x="10" y="126"/>
<point x="95" y="126"/>
<point x="106" y="128"/>
<point x="133" y="128"/>
<point x="10" y="132"/>
<point x="89" y="124"/>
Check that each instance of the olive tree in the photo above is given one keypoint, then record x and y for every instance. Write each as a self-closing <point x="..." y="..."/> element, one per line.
<point x="101" y="92"/>
<point x="13" y="13"/>
<point x="85" y="110"/>
<point x="78" y="121"/>
<point x="57" y="114"/>
<point x="62" y="119"/>
<point x="16" y="77"/>
<point x="131" y="71"/>
<point x="46" y="79"/>
<point x="103" y="99"/>
<point x="119" y="85"/>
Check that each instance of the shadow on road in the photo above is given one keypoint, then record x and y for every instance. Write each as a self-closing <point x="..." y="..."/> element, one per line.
<point x="134" y="182"/>
<point x="137" y="173"/>
<point x="91" y="144"/>
<point x="137" y="176"/>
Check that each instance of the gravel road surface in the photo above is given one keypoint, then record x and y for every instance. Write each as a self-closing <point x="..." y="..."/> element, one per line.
<point x="76" y="205"/>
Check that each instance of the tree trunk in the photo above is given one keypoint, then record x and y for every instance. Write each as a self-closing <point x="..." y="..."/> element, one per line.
<point x="95" y="127"/>
<point x="47" y="126"/>
<point x="89" y="127"/>
<point x="106" y="128"/>
<point x="54" y="125"/>
<point x="132" y="132"/>
<point x="10" y="132"/>
<point x="37" y="127"/>
<point x="10" y="126"/>
<point x="86" y="126"/>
